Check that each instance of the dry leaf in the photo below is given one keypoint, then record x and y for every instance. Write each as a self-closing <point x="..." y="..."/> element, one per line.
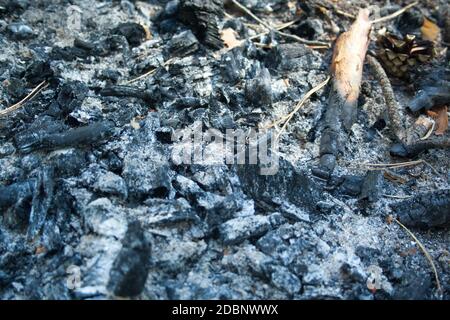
<point x="441" y="118"/>
<point x="430" y="31"/>
<point x="228" y="36"/>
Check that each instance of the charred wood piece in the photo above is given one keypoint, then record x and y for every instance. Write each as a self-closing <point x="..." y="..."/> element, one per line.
<point x="86" y="135"/>
<point x="201" y="16"/>
<point x="431" y="96"/>
<point x="14" y="193"/>
<point x="126" y="91"/>
<point x="403" y="150"/>
<point x="347" y="64"/>
<point x="428" y="210"/>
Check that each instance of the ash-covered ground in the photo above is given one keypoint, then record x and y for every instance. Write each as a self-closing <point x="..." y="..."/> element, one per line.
<point x="94" y="204"/>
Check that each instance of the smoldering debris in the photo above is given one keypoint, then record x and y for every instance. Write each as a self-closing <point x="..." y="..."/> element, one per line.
<point x="143" y="160"/>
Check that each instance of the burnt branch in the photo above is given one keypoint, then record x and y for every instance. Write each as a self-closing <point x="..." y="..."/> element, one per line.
<point x="346" y="71"/>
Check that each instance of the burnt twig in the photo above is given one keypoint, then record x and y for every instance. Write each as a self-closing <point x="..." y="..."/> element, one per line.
<point x="393" y="108"/>
<point x="80" y="136"/>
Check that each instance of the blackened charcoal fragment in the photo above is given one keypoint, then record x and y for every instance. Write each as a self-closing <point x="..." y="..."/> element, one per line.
<point x="14" y="193"/>
<point x="42" y="200"/>
<point x="410" y="21"/>
<point x="90" y="134"/>
<point x="428" y="210"/>
<point x="109" y="75"/>
<point x="258" y="90"/>
<point x="133" y="32"/>
<point x="130" y="268"/>
<point x="288" y="183"/>
<point x="19" y="31"/>
<point x="283" y="279"/>
<point x="162" y="212"/>
<point x="38" y="71"/>
<point x="309" y="29"/>
<point x="126" y="91"/>
<point x="71" y="96"/>
<point x="201" y="16"/>
<point x="14" y="6"/>
<point x="430" y="96"/>
<point x="371" y="186"/>
<point x="68" y="53"/>
<point x="16" y="88"/>
<point x="182" y="44"/>
<point x="291" y="57"/>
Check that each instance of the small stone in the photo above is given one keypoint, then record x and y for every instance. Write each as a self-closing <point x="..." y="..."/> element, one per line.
<point x="239" y="229"/>
<point x="111" y="183"/>
<point x="285" y="280"/>
<point x="19" y="31"/>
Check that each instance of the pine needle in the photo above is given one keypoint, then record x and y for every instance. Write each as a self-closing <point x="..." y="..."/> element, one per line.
<point x="395" y="14"/>
<point x="288" y="117"/>
<point x="425" y="252"/>
<point x="29" y="96"/>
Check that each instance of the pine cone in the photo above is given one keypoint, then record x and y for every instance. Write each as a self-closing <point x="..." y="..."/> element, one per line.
<point x="400" y="56"/>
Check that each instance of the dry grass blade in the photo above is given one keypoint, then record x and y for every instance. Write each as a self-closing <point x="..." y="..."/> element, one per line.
<point x="30" y="96"/>
<point x="425" y="252"/>
<point x="149" y="73"/>
<point x="393" y="165"/>
<point x="288" y="117"/>
<point x="395" y="14"/>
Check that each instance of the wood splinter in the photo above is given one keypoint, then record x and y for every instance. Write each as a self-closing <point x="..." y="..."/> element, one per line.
<point x="346" y="71"/>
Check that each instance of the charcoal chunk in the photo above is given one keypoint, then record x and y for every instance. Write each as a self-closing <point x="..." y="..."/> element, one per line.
<point x="258" y="91"/>
<point x="428" y="210"/>
<point x="182" y="44"/>
<point x="133" y="32"/>
<point x="283" y="279"/>
<point x="71" y="96"/>
<point x="288" y="183"/>
<point x="19" y="31"/>
<point x="309" y="29"/>
<point x="38" y="71"/>
<point x="201" y="16"/>
<point x="130" y="268"/>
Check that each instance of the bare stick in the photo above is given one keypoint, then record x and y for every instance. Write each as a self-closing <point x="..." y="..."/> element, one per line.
<point x="30" y="96"/>
<point x="346" y="71"/>
<point x="396" y="13"/>
<point x="425" y="252"/>
<point x="286" y="35"/>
